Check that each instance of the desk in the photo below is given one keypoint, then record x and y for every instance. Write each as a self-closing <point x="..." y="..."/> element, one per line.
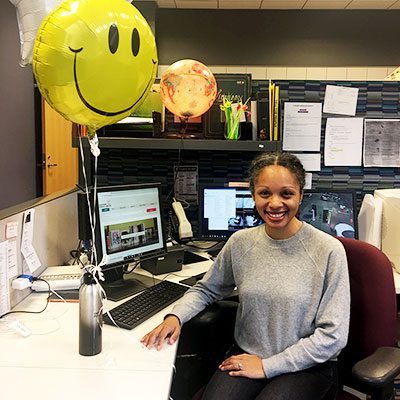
<point x="47" y="366"/>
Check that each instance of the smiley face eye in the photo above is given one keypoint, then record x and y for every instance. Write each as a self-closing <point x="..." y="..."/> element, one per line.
<point x="135" y="42"/>
<point x="113" y="38"/>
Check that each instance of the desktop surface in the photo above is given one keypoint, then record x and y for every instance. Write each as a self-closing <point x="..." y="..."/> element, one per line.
<point x="49" y="366"/>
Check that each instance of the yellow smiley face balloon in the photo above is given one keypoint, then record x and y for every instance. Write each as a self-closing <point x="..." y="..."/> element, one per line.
<point x="95" y="60"/>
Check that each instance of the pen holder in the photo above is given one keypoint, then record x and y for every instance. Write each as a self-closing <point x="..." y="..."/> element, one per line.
<point x="232" y="131"/>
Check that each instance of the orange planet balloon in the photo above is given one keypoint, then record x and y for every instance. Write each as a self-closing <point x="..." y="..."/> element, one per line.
<point x="188" y="88"/>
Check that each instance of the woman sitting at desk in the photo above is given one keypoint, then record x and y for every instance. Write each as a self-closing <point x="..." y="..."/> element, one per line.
<point x="293" y="286"/>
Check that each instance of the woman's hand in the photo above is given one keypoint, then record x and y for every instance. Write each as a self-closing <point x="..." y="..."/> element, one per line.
<point x="246" y="365"/>
<point x="170" y="327"/>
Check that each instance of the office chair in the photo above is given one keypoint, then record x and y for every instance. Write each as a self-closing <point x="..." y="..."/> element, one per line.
<point x="370" y="361"/>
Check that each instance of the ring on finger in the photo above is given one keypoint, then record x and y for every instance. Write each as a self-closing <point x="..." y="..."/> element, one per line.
<point x="240" y="366"/>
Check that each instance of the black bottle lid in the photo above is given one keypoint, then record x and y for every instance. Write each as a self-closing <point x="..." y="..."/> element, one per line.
<point x="88" y="278"/>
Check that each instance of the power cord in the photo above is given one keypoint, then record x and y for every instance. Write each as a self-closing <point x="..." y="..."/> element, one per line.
<point x="32" y="312"/>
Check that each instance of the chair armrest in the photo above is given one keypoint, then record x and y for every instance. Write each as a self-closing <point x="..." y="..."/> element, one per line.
<point x="380" y="368"/>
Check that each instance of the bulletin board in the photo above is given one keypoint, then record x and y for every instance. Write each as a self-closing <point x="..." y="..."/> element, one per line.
<point x="378" y="100"/>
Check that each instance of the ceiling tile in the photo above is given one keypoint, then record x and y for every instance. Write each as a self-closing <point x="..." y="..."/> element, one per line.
<point x="370" y="4"/>
<point x="282" y="5"/>
<point x="326" y="4"/>
<point x="239" y="4"/>
<point x="196" y="3"/>
<point x="395" y="6"/>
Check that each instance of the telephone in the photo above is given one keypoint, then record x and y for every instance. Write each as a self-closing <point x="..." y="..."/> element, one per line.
<point x="183" y="226"/>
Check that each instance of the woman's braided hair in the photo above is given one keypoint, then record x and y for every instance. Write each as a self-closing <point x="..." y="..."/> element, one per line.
<point x="287" y="160"/>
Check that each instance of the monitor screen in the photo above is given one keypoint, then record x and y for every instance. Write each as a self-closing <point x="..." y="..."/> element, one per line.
<point x="334" y="212"/>
<point x="129" y="228"/>
<point x="224" y="210"/>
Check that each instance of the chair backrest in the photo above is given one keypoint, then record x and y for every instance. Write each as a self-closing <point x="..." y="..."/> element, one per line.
<point x="373" y="303"/>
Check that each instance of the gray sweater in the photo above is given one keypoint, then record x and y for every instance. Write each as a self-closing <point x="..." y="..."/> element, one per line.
<point x="294" y="296"/>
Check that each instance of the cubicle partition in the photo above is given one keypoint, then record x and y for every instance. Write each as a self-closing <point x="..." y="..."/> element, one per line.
<point x="54" y="235"/>
<point x="130" y="160"/>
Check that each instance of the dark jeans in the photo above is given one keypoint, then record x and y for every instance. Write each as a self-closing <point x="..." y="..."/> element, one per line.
<point x="315" y="383"/>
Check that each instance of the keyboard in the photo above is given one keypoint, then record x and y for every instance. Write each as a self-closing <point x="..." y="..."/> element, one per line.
<point x="138" y="309"/>
<point x="65" y="277"/>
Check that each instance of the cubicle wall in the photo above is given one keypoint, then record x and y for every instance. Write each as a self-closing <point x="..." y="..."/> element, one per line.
<point x="375" y="100"/>
<point x="55" y="233"/>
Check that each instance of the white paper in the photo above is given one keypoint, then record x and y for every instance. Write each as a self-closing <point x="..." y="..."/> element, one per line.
<point x="343" y="141"/>
<point x="27" y="249"/>
<point x="340" y="100"/>
<point x="308" y="184"/>
<point x="382" y="143"/>
<point x="4" y="288"/>
<point x="311" y="162"/>
<point x="186" y="177"/>
<point x="12" y="258"/>
<point x="31" y="258"/>
<point x="11" y="230"/>
<point x="302" y="126"/>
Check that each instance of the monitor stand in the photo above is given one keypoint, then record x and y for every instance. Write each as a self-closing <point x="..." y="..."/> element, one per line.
<point x="119" y="285"/>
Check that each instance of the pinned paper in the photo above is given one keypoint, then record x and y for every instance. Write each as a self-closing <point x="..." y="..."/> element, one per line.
<point x="27" y="249"/>
<point x="310" y="161"/>
<point x="4" y="288"/>
<point x="12" y="258"/>
<point x="340" y="100"/>
<point x="302" y="126"/>
<point x="308" y="180"/>
<point x="11" y="230"/>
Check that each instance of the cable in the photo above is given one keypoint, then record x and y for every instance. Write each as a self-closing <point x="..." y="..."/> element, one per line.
<point x="191" y="244"/>
<point x="175" y="168"/>
<point x="132" y="269"/>
<point x="32" y="312"/>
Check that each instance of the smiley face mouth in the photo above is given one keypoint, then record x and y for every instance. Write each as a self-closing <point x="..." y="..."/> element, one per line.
<point x="97" y="110"/>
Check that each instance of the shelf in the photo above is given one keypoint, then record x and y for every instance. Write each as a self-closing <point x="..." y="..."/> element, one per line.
<point x="183" y="144"/>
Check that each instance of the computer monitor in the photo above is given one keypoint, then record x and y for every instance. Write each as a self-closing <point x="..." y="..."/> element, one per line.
<point x="225" y="210"/>
<point x="331" y="211"/>
<point x="129" y="228"/>
<point x="390" y="224"/>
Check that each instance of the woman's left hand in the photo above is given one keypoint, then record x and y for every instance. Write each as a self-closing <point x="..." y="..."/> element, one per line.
<point x="245" y="365"/>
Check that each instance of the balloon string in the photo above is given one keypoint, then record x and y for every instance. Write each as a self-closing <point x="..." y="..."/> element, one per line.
<point x="184" y="125"/>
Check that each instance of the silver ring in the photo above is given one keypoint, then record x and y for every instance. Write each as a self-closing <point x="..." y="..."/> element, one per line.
<point x="240" y="366"/>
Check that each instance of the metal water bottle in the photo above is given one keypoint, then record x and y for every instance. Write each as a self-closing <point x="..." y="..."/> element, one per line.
<point x="90" y="316"/>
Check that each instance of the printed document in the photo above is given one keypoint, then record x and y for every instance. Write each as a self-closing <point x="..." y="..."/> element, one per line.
<point x="340" y="100"/>
<point x="302" y="126"/>
<point x="382" y="143"/>
<point x="311" y="162"/>
<point x="343" y="141"/>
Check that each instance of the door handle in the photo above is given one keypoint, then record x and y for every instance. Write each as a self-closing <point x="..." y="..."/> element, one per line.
<point x="52" y="165"/>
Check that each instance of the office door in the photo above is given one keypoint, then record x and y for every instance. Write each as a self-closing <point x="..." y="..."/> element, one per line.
<point x="60" y="159"/>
